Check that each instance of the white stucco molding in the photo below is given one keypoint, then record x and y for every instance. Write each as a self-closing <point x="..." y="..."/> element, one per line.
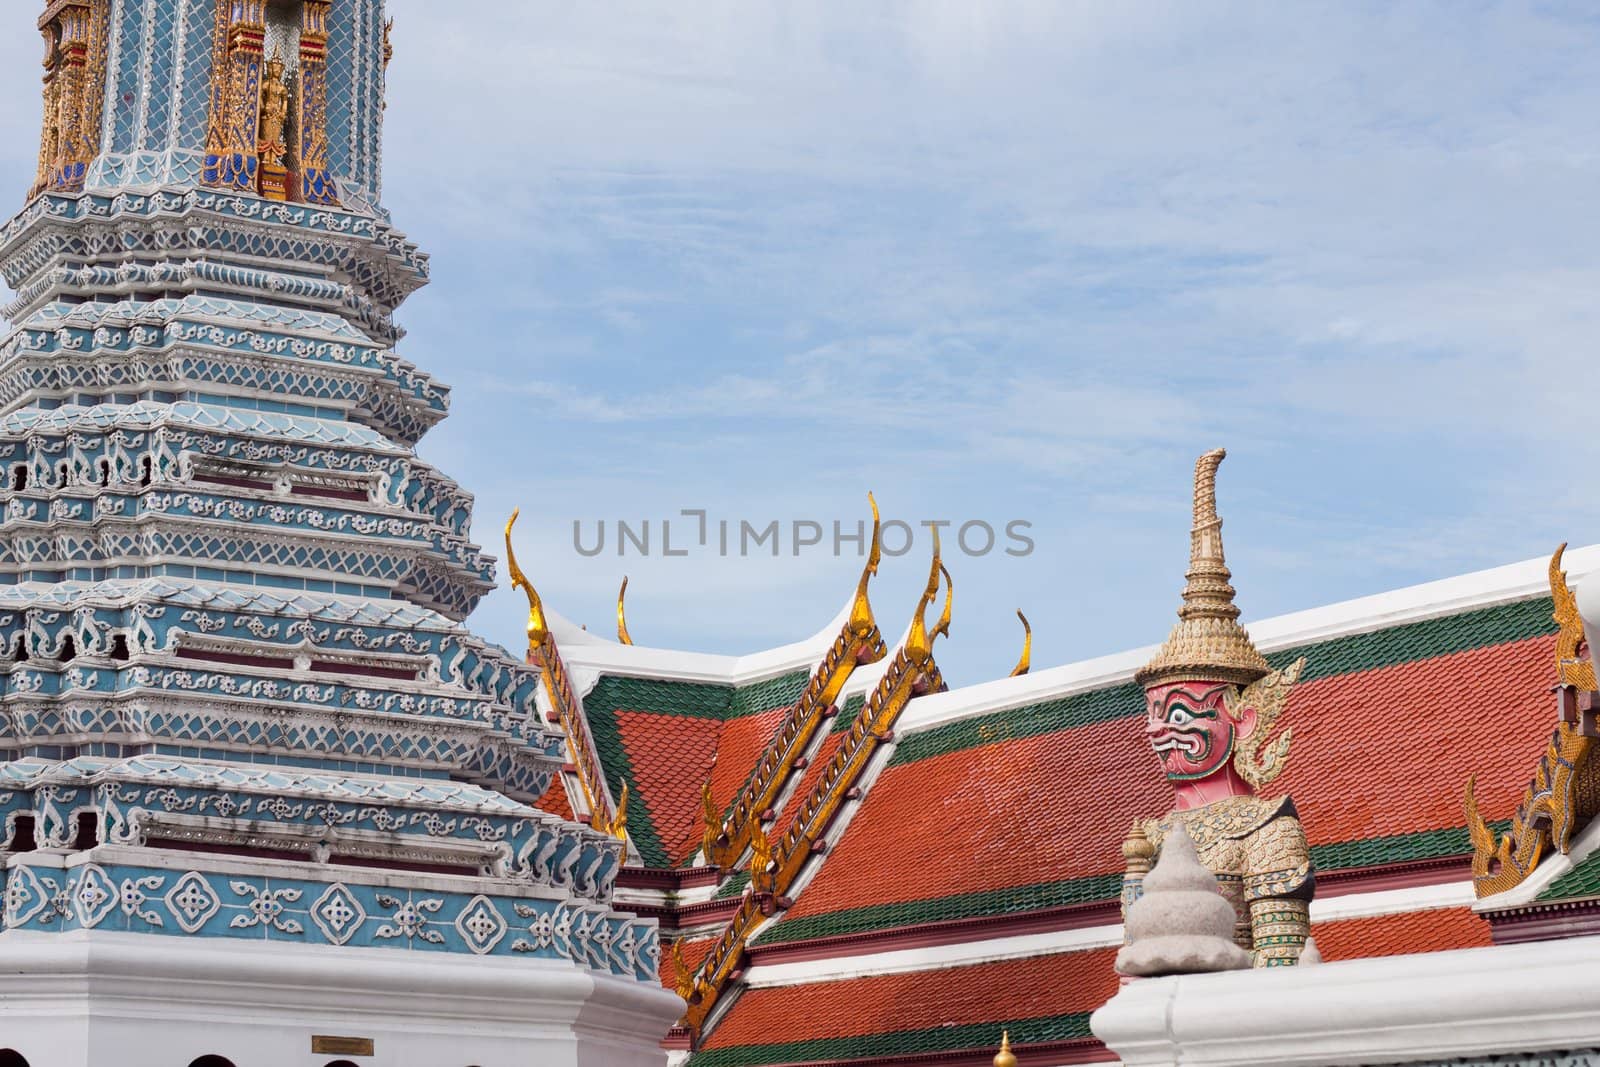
<point x="93" y="998"/>
<point x="587" y="653"/>
<point x="1398" y="1009"/>
<point x="987" y="950"/>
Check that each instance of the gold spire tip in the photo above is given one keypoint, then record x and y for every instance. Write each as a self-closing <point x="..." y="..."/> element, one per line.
<point x="1005" y="1057"/>
<point x="919" y="644"/>
<point x="1208" y="643"/>
<point x="861" y="621"/>
<point x="538" y="628"/>
<point x="622" y="613"/>
<point x="1025" y="662"/>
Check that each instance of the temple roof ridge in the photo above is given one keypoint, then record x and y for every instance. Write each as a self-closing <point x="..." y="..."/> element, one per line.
<point x="1415" y="603"/>
<point x="590" y="653"/>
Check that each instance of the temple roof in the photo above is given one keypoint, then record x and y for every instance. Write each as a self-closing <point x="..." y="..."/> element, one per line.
<point x="1001" y="807"/>
<point x="666" y="722"/>
<point x="1044" y="1000"/>
<point x="961" y="801"/>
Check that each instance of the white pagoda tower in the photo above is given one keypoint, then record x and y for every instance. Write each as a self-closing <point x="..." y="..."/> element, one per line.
<point x="264" y="801"/>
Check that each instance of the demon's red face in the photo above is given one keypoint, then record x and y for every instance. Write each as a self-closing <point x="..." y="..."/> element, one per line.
<point x="1190" y="728"/>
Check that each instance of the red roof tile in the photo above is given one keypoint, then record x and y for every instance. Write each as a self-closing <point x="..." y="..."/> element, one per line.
<point x="555" y="799"/>
<point x="1389" y="751"/>
<point x="1375" y="753"/>
<point x="1397" y="935"/>
<point x="741" y="744"/>
<point x="671" y="758"/>
<point x="1035" y="809"/>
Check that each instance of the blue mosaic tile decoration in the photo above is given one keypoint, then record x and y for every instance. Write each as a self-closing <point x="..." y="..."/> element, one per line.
<point x="236" y="696"/>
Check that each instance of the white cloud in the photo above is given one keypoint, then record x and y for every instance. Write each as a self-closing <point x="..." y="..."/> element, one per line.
<point x="1015" y="258"/>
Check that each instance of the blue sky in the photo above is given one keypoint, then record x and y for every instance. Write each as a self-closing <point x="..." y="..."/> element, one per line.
<point x="998" y="261"/>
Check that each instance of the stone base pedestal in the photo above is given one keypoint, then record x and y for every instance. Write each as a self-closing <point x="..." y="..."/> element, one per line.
<point x="275" y="181"/>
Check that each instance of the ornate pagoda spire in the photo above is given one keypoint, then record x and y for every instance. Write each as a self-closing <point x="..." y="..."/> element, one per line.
<point x="1208" y="643"/>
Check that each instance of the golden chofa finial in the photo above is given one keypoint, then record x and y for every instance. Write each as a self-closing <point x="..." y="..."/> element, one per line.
<point x="711" y="818"/>
<point x="682" y="974"/>
<point x="1005" y="1057"/>
<point x="1026" y="661"/>
<point x="919" y="644"/>
<point x="1208" y="644"/>
<point x="619" y="823"/>
<point x="622" y="613"/>
<point x="861" y="621"/>
<point x="1573" y="665"/>
<point x="538" y="629"/>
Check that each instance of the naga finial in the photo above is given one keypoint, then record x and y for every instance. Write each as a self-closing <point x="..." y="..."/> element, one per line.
<point x="618" y="826"/>
<point x="682" y="975"/>
<point x="622" y="614"/>
<point x="711" y="817"/>
<point x="1208" y="643"/>
<point x="861" y="620"/>
<point x="919" y="644"/>
<point x="1573" y="666"/>
<point x="538" y="629"/>
<point x="1026" y="661"/>
<point x="761" y="878"/>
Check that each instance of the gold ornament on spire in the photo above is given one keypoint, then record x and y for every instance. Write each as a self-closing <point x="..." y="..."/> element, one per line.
<point x="622" y="614"/>
<point x="919" y="643"/>
<point x="682" y="973"/>
<point x="1208" y="644"/>
<point x="619" y="821"/>
<point x="538" y="629"/>
<point x="861" y="621"/>
<point x="712" y="818"/>
<point x="762" y="876"/>
<point x="1573" y="666"/>
<point x="1560" y="798"/>
<point x="1026" y="662"/>
<point x="1005" y="1057"/>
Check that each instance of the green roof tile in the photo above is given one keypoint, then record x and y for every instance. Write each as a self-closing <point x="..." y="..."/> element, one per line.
<point x="734" y="886"/>
<point x="613" y="693"/>
<point x="943" y="909"/>
<point x="1582" y="881"/>
<point x="1346" y="855"/>
<point x="779" y="692"/>
<point x="1389" y="647"/>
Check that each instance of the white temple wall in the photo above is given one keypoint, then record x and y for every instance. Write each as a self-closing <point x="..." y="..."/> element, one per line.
<point x="1471" y="1005"/>
<point x="95" y="999"/>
